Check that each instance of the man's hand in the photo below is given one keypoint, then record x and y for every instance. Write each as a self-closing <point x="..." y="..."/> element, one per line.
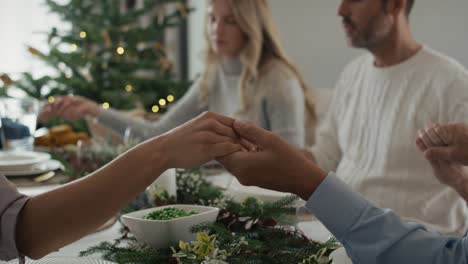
<point x="272" y="163"/>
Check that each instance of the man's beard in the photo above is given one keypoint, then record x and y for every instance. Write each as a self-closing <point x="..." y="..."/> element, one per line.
<point x="371" y="36"/>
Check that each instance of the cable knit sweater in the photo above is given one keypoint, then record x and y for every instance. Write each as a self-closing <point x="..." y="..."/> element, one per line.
<point x="369" y="135"/>
<point x="278" y="104"/>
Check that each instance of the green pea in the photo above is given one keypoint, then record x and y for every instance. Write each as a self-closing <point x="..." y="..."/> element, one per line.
<point x="168" y="214"/>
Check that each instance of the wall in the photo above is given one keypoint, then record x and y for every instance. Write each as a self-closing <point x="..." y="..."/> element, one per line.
<point x="310" y="30"/>
<point x="312" y="34"/>
<point x="195" y="36"/>
<point x="23" y="23"/>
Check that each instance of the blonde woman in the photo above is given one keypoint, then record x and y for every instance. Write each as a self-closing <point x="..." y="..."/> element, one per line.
<point x="247" y="75"/>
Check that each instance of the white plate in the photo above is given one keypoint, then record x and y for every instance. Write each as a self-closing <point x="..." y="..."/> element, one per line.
<point x="67" y="260"/>
<point x="39" y="168"/>
<point x="19" y="160"/>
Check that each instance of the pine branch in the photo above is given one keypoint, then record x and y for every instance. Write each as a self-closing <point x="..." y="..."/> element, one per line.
<point x="285" y="202"/>
<point x="122" y="255"/>
<point x="224" y="234"/>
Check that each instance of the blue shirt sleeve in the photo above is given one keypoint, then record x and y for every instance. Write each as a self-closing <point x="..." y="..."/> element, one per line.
<point x="374" y="235"/>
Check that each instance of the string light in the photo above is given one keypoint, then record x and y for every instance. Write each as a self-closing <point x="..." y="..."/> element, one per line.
<point x="74" y="47"/>
<point x="170" y="98"/>
<point x="155" y="108"/>
<point x="128" y="88"/>
<point x="51" y="99"/>
<point x="82" y="34"/>
<point x="120" y="50"/>
<point x="105" y="105"/>
<point x="162" y="102"/>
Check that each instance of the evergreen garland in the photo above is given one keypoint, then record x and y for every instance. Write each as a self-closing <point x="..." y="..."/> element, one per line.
<point x="246" y="232"/>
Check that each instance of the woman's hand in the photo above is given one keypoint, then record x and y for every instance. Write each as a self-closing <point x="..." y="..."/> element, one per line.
<point x="72" y="107"/>
<point x="198" y="141"/>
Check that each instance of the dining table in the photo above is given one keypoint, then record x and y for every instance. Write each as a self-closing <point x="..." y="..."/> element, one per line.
<point x="310" y="226"/>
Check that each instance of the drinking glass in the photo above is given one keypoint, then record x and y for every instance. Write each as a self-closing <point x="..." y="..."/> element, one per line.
<point x="18" y="118"/>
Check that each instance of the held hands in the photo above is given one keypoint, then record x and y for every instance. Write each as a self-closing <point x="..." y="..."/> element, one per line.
<point x="196" y="142"/>
<point x="271" y="163"/>
<point x="446" y="149"/>
<point x="452" y="142"/>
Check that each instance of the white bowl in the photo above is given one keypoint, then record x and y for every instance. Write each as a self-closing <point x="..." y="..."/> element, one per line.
<point x="163" y="233"/>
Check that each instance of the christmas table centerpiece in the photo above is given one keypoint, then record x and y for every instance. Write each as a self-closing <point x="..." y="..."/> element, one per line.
<point x="251" y="231"/>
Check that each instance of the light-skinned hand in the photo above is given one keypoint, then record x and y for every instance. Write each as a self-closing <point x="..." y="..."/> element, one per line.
<point x="445" y="148"/>
<point x="453" y="143"/>
<point x="73" y="107"/>
<point x="198" y="141"/>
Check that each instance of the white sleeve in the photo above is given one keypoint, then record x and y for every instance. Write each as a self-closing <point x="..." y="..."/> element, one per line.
<point x="188" y="107"/>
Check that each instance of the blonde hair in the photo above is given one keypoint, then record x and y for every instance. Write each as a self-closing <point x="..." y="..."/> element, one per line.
<point x="255" y="20"/>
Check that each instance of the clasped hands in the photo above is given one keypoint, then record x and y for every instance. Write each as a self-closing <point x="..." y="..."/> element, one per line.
<point x="255" y="156"/>
<point x="446" y="149"/>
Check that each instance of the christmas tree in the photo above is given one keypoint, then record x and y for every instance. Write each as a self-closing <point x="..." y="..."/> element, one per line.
<point x="113" y="53"/>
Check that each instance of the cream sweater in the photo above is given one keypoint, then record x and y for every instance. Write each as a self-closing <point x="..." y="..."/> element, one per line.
<point x="369" y="135"/>
<point x="278" y="105"/>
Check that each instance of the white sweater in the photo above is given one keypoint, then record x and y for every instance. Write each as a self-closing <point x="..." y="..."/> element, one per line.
<point x="369" y="135"/>
<point x="278" y="104"/>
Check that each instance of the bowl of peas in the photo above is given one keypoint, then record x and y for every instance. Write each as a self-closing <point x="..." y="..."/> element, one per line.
<point x="163" y="226"/>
